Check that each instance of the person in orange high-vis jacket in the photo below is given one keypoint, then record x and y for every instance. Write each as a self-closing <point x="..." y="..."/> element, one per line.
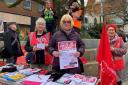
<point x="76" y="12"/>
<point x="37" y="43"/>
<point x="118" y="51"/>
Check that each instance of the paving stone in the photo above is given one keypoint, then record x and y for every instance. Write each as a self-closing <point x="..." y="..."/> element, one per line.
<point x="91" y="69"/>
<point x="90" y="54"/>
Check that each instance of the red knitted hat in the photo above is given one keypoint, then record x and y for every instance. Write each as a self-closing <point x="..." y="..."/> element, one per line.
<point x="114" y="26"/>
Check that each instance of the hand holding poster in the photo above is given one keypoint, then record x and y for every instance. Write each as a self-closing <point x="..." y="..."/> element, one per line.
<point x="67" y="60"/>
<point x="40" y="43"/>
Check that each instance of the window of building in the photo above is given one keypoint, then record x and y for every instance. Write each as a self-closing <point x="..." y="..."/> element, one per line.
<point x="8" y="2"/>
<point x="40" y="8"/>
<point x="27" y="4"/>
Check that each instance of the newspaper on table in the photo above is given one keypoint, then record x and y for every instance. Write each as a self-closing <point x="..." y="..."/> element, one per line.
<point x="36" y="79"/>
<point x="51" y="83"/>
<point x="65" y="79"/>
<point x="13" y="76"/>
<point x="29" y="71"/>
<point x="78" y="79"/>
<point x="66" y="58"/>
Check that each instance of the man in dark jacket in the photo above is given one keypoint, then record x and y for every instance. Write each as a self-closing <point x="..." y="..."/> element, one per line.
<point x="12" y="43"/>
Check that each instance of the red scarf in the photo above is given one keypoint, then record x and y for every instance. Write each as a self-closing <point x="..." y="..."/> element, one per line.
<point x="118" y="42"/>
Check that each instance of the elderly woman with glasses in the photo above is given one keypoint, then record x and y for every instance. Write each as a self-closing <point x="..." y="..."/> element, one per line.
<point x="37" y="43"/>
<point x="58" y="43"/>
<point x="118" y="50"/>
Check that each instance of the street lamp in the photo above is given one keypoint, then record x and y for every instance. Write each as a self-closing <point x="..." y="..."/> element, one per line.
<point x="101" y="11"/>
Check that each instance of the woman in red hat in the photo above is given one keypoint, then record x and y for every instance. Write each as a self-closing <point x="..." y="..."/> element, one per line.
<point x="118" y="51"/>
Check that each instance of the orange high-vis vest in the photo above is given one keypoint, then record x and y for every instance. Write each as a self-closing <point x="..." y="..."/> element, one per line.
<point x="77" y="23"/>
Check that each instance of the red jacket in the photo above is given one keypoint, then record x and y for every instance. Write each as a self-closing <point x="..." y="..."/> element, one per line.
<point x="118" y="53"/>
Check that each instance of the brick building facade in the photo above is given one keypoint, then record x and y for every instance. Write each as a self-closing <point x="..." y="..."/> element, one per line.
<point x="24" y="14"/>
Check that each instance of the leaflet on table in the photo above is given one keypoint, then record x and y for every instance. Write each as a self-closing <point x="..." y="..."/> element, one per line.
<point x="29" y="71"/>
<point x="14" y="76"/>
<point x="36" y="78"/>
<point x="1" y="69"/>
<point x="66" y="58"/>
<point x="1" y="74"/>
<point x="81" y="83"/>
<point x="83" y="80"/>
<point x="51" y="83"/>
<point x="31" y="83"/>
<point x="65" y="79"/>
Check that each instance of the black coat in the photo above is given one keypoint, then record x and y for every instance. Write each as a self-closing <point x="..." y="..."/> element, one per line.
<point x="62" y="36"/>
<point x="53" y="46"/>
<point x="12" y="48"/>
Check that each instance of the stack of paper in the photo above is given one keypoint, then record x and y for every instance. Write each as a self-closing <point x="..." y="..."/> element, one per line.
<point x="83" y="80"/>
<point x="65" y="79"/>
<point x="35" y="79"/>
<point x="29" y="71"/>
<point x="1" y="74"/>
<point x="13" y="76"/>
<point x="51" y="83"/>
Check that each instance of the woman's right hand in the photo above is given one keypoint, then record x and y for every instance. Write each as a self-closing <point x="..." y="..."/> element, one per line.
<point x="34" y="48"/>
<point x="55" y="53"/>
<point x="112" y="49"/>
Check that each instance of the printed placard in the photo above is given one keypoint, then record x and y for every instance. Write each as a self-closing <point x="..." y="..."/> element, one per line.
<point x="66" y="58"/>
<point x="67" y="46"/>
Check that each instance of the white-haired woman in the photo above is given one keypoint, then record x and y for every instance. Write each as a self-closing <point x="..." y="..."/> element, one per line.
<point x="36" y="43"/>
<point x="66" y="34"/>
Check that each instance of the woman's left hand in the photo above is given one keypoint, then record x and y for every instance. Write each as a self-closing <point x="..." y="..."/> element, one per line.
<point x="46" y="45"/>
<point x="112" y="48"/>
<point x="76" y="54"/>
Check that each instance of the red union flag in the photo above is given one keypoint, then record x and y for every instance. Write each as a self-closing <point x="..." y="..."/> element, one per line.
<point x="105" y="61"/>
<point x="107" y="75"/>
